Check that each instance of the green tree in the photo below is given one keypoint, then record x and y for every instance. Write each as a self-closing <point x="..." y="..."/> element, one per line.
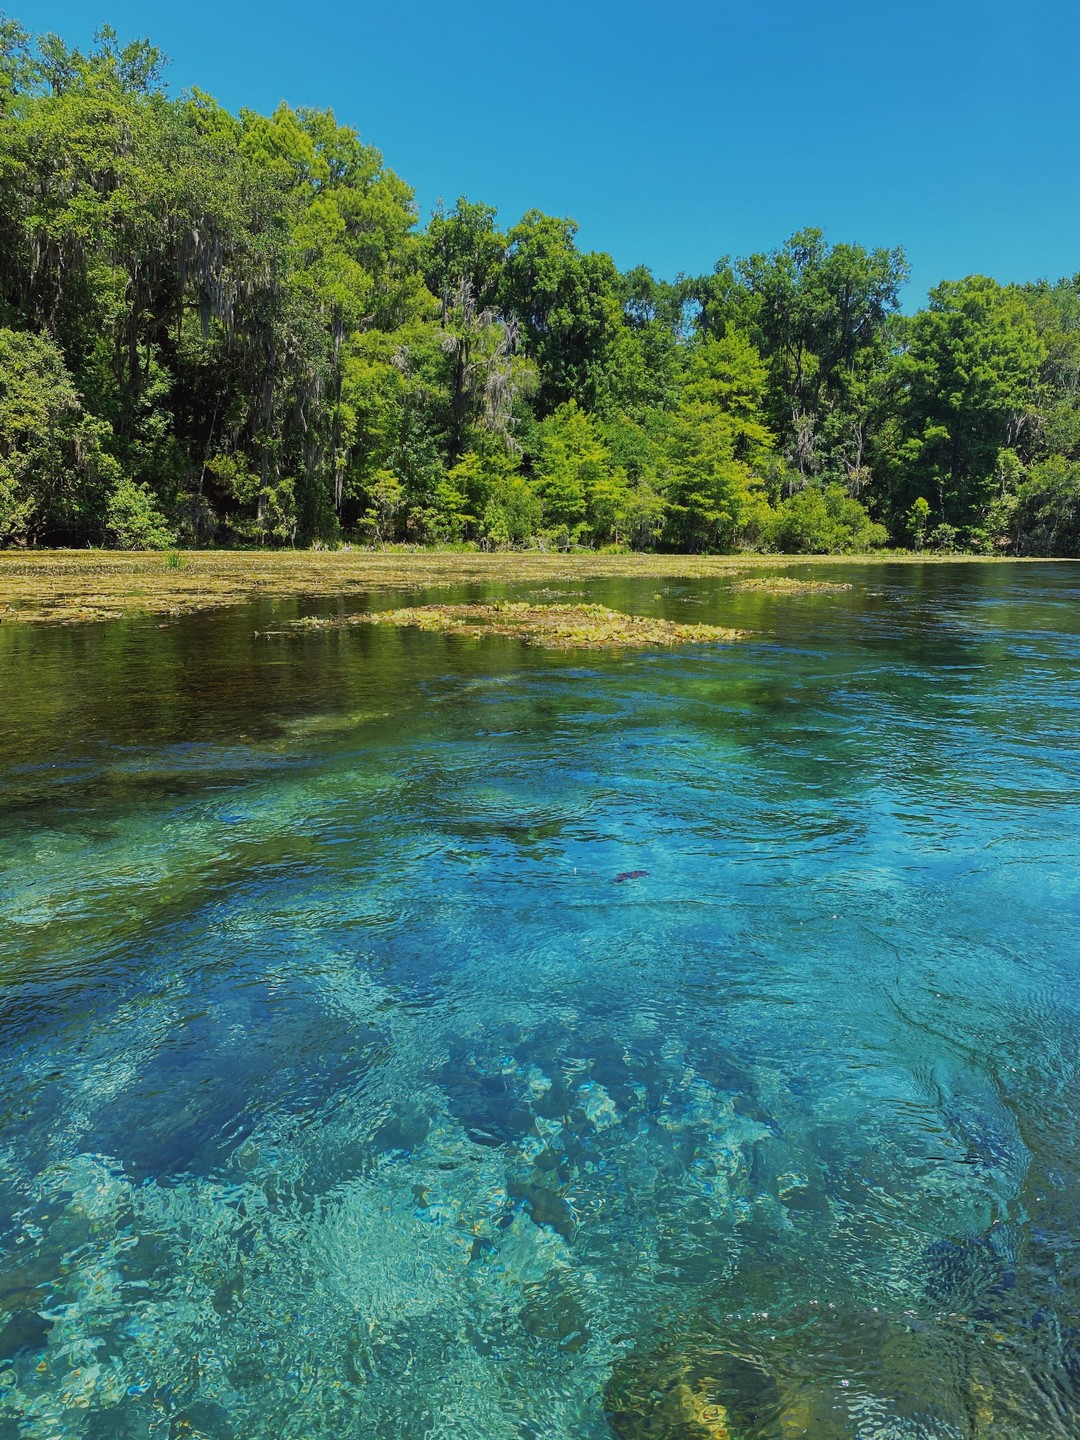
<point x="965" y="388"/>
<point x="819" y="315"/>
<point x="55" y="479"/>
<point x="463" y="249"/>
<point x="567" y="305"/>
<point x="717" y="447"/>
<point x="1045" y="517"/>
<point x="918" y="519"/>
<point x="1055" y="312"/>
<point x="512" y="510"/>
<point x="572" y="466"/>
<point x="133" y="521"/>
<point x="20" y="71"/>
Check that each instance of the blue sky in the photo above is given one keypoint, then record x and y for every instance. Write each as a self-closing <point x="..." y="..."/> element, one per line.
<point x="675" y="133"/>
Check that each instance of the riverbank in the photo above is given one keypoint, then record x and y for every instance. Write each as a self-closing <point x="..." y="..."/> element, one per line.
<point x="71" y="586"/>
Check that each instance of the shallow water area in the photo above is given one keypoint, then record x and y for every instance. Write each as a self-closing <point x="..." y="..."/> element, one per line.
<point x="411" y="1035"/>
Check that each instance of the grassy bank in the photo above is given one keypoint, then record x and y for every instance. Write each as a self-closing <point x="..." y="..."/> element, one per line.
<point x="68" y="586"/>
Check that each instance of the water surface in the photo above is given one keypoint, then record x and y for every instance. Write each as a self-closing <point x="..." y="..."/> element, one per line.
<point x="347" y="1089"/>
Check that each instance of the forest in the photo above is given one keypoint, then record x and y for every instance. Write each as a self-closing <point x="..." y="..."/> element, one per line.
<point x="235" y="330"/>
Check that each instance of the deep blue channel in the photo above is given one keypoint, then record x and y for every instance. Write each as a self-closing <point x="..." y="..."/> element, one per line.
<point x="348" y="1088"/>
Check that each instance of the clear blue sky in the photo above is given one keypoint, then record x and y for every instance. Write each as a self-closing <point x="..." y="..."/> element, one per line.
<point x="675" y="133"/>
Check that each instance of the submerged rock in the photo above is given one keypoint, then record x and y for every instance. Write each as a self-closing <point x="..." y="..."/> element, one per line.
<point x="692" y="1393"/>
<point x="546" y="1206"/>
<point x="405" y="1128"/>
<point x="491" y="1099"/>
<point x="23" y="1330"/>
<point x="972" y="1273"/>
<point x="814" y="1373"/>
<point x="557" y="1316"/>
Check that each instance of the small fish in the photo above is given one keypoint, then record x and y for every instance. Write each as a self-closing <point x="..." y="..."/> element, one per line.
<point x="630" y="875"/>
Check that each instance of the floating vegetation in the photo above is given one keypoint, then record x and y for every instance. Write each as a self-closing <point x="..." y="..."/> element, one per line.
<point x="555" y="627"/>
<point x="81" y="585"/>
<point x="789" y="585"/>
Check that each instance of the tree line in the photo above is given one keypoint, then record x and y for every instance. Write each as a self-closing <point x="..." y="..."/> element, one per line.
<point x="233" y="330"/>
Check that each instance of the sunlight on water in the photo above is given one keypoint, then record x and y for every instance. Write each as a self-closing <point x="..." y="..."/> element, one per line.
<point x="411" y="1037"/>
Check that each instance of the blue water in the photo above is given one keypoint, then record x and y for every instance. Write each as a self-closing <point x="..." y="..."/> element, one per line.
<point x="347" y="1091"/>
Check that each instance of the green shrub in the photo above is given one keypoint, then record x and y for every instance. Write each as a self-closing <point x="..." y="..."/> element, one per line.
<point x="133" y="521"/>
<point x="1045" y="519"/>
<point x="822" y="522"/>
<point x="54" y="472"/>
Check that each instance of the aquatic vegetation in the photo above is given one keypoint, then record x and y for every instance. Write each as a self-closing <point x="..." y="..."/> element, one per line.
<point x="789" y="585"/>
<point x="555" y="627"/>
<point x="78" y="585"/>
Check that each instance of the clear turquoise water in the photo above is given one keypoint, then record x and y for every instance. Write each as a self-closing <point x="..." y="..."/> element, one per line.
<point x="346" y="1091"/>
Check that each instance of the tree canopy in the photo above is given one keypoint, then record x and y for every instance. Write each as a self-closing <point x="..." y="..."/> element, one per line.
<point x="235" y="329"/>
